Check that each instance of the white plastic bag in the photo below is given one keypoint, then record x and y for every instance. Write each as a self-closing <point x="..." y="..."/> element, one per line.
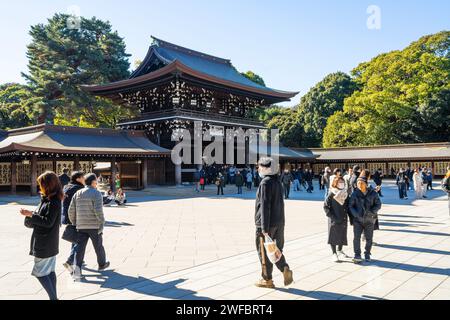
<point x="273" y="253"/>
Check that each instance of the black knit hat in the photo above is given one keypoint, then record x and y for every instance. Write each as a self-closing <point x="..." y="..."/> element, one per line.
<point x="89" y="178"/>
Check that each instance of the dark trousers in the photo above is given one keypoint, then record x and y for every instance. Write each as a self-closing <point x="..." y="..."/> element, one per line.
<point x="402" y="190"/>
<point x="359" y="228"/>
<point x="249" y="185"/>
<point x="49" y="285"/>
<point x="277" y="234"/>
<point x="430" y="185"/>
<point x="287" y="190"/>
<point x="219" y="190"/>
<point x="97" y="242"/>
<point x="310" y="187"/>
<point x="239" y="189"/>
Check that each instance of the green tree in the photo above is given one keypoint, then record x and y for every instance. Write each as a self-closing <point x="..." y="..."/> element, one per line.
<point x="254" y="77"/>
<point x="322" y="101"/>
<point x="18" y="106"/>
<point x="404" y="98"/>
<point x="61" y="59"/>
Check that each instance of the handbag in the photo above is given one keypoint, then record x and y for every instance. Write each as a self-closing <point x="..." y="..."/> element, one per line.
<point x="70" y="234"/>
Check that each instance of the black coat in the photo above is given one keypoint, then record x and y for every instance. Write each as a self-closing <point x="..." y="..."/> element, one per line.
<point x="45" y="223"/>
<point x="69" y="192"/>
<point x="64" y="179"/>
<point x="377" y="178"/>
<point x="269" y="207"/>
<point x="337" y="220"/>
<point x="365" y="207"/>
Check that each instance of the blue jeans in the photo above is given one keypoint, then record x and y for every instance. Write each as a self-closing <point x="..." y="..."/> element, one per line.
<point x="402" y="190"/>
<point x="239" y="189"/>
<point x="71" y="257"/>
<point x="97" y="242"/>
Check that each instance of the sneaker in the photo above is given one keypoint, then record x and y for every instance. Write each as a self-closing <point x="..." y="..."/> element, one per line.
<point x="105" y="266"/>
<point x="265" y="284"/>
<point x="342" y="255"/>
<point x="335" y="258"/>
<point x="68" y="267"/>
<point x="357" y="259"/>
<point x="287" y="275"/>
<point x="406" y="198"/>
<point x="367" y="257"/>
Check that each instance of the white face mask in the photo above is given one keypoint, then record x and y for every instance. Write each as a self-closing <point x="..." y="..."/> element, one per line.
<point x="341" y="186"/>
<point x="261" y="175"/>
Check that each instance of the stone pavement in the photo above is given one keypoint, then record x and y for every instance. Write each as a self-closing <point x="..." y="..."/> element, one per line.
<point x="175" y="245"/>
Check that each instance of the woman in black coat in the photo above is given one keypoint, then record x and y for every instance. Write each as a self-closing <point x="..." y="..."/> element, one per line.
<point x="336" y="209"/>
<point x="45" y="222"/>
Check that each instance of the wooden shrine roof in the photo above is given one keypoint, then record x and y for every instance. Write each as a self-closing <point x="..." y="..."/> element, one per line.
<point x="74" y="140"/>
<point x="172" y="58"/>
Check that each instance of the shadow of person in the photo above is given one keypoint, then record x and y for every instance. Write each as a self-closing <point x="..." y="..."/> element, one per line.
<point x="113" y="280"/>
<point x="322" y="295"/>
<point x="113" y="224"/>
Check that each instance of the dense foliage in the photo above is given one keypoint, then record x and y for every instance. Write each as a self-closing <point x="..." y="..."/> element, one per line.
<point x="61" y="59"/>
<point x="403" y="98"/>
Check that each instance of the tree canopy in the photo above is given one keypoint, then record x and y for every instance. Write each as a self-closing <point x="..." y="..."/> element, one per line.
<point x="254" y="77"/>
<point x="403" y="98"/>
<point x="61" y="59"/>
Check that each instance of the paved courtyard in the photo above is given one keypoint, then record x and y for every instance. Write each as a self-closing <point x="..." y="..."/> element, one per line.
<point x="170" y="243"/>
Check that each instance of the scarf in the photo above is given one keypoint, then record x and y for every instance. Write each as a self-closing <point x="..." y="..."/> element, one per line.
<point x="339" y="195"/>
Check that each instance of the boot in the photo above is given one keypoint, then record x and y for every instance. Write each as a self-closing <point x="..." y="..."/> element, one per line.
<point x="265" y="284"/>
<point x="287" y="275"/>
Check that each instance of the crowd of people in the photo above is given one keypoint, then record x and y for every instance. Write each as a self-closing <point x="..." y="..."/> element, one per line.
<point x="77" y="203"/>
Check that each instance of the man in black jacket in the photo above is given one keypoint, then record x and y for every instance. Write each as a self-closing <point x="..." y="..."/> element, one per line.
<point x="269" y="221"/>
<point x="76" y="183"/>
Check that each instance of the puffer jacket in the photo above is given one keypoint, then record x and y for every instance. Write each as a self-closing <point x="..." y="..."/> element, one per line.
<point x="365" y="206"/>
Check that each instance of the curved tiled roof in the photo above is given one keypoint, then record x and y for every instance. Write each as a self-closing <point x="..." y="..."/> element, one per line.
<point x="59" y="139"/>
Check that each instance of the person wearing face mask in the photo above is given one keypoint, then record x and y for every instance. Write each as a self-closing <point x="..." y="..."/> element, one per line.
<point x="364" y="205"/>
<point x="336" y="209"/>
<point x="269" y="221"/>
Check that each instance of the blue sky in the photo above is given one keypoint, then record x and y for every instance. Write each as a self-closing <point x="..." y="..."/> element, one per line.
<point x="291" y="44"/>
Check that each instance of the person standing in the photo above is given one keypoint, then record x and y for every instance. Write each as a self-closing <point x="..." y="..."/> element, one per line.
<point x="378" y="180"/>
<point x="364" y="206"/>
<point x="418" y="184"/>
<point x="286" y="179"/>
<point x="270" y="221"/>
<point x="401" y="184"/>
<point x="220" y="182"/>
<point x="196" y="178"/>
<point x="356" y="171"/>
<point x="321" y="174"/>
<point x="64" y="178"/>
<point x="45" y="222"/>
<point x="429" y="180"/>
<point x="86" y="213"/>
<point x="326" y="180"/>
<point x="336" y="209"/>
<point x="309" y="180"/>
<point x="239" y="179"/>
<point x="446" y="186"/>
<point x="249" y="180"/>
<point x="295" y="174"/>
<point x="76" y="184"/>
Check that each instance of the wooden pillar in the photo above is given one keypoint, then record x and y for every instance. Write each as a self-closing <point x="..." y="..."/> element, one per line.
<point x="113" y="174"/>
<point x="13" y="177"/>
<point x="145" y="173"/>
<point x="139" y="177"/>
<point x="178" y="178"/>
<point x="33" y="175"/>
<point x="76" y="163"/>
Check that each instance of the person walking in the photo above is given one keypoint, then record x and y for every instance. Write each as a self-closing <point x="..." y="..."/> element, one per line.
<point x="336" y="209"/>
<point x="364" y="205"/>
<point x="45" y="222"/>
<point x="196" y="180"/>
<point x="309" y="176"/>
<point x="286" y="180"/>
<point x="86" y="213"/>
<point x="321" y="186"/>
<point x="356" y="171"/>
<point x="401" y="184"/>
<point x="446" y="186"/>
<point x="220" y="182"/>
<point x="418" y="184"/>
<point x="239" y="179"/>
<point x="76" y="184"/>
<point x="270" y="221"/>
<point x="296" y="182"/>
